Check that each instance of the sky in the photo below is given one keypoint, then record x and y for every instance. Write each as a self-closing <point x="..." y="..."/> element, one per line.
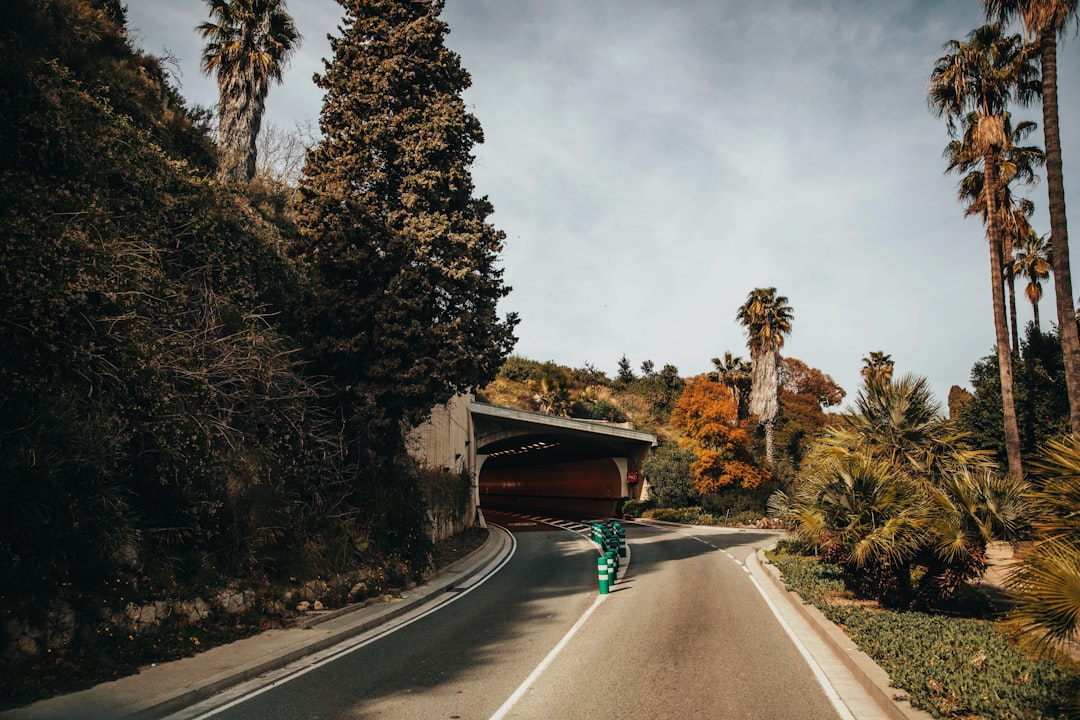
<point x="653" y="161"/>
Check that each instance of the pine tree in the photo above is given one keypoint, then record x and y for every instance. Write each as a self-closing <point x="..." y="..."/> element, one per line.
<point x="402" y="262"/>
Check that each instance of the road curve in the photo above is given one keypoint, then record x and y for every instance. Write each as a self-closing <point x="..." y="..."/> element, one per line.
<point x="685" y="634"/>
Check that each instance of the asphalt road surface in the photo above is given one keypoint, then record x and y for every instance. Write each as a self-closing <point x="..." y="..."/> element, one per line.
<point x="684" y="634"/>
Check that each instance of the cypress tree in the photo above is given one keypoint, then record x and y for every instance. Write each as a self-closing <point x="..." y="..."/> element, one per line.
<point x="401" y="258"/>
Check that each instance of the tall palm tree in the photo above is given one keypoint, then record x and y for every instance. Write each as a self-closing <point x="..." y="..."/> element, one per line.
<point x="1017" y="164"/>
<point x="982" y="75"/>
<point x="1048" y="20"/>
<point x="1032" y="260"/>
<point x="878" y="366"/>
<point x="248" y="43"/>
<point x="734" y="373"/>
<point x="767" y="318"/>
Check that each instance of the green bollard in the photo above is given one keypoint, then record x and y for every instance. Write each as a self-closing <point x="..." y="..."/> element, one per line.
<point x="602" y="575"/>
<point x="612" y="568"/>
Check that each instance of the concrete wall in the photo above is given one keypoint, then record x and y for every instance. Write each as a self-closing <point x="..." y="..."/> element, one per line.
<point x="446" y="441"/>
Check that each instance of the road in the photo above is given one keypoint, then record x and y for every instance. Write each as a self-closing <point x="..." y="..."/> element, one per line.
<point x="684" y="634"/>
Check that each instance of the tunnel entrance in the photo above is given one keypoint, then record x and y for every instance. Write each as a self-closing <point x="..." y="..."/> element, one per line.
<point x="534" y="462"/>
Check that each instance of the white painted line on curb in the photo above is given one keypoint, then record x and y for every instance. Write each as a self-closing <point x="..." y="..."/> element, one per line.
<point x="819" y="674"/>
<point x="535" y="674"/>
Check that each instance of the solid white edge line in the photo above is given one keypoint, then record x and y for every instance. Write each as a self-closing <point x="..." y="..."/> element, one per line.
<point x="819" y="674"/>
<point x="366" y="641"/>
<point x="535" y="674"/>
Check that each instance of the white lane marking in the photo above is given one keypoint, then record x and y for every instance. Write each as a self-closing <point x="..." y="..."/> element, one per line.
<point x="535" y="674"/>
<point x="819" y="674"/>
<point x="350" y="646"/>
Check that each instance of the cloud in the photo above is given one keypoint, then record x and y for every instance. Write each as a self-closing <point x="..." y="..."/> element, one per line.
<point x="652" y="162"/>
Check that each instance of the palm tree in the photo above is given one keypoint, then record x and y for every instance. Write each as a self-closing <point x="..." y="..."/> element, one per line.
<point x="878" y="366"/>
<point x="1017" y="164"/>
<point x="1046" y="585"/>
<point x="767" y="318"/>
<point x="981" y="75"/>
<point x="863" y="513"/>
<point x="1032" y="260"/>
<point x="735" y="374"/>
<point x="1047" y="20"/>
<point x="893" y="486"/>
<point x="248" y="43"/>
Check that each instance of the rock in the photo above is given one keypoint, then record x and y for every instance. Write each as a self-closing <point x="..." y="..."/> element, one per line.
<point x="139" y="615"/>
<point x="303" y="606"/>
<point x="200" y="610"/>
<point x="27" y="646"/>
<point x="234" y="601"/>
<point x="317" y="606"/>
<point x="313" y="589"/>
<point x="358" y="590"/>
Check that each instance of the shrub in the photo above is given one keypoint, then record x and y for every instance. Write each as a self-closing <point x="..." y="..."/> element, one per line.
<point x="668" y="471"/>
<point x="951" y="667"/>
<point x="743" y="517"/>
<point x="635" y="508"/>
<point x="690" y="516"/>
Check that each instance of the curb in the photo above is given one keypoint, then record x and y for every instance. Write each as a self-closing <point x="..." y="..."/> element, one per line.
<point x="873" y="679"/>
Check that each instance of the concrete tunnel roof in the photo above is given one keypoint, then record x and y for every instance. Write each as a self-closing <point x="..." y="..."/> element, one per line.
<point x="534" y="421"/>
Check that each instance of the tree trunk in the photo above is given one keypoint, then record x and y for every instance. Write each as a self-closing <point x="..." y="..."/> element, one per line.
<point x="1001" y="323"/>
<point x="1010" y="280"/>
<point x="770" y="432"/>
<point x="240" y="111"/>
<point x="765" y="393"/>
<point x="1059" y="233"/>
<point x="1035" y="315"/>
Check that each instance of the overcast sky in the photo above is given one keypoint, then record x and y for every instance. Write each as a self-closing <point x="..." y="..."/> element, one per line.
<point x="652" y="161"/>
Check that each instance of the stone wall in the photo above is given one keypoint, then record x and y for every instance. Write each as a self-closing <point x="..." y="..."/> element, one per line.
<point x="56" y="628"/>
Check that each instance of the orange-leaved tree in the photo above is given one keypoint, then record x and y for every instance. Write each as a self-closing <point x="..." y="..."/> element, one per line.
<point x="708" y="417"/>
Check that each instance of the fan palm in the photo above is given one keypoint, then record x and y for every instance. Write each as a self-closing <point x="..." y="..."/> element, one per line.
<point x="878" y="365"/>
<point x="735" y="374"/>
<point x="981" y="75"/>
<point x="1047" y="584"/>
<point x="864" y="513"/>
<point x="767" y="318"/>
<point x="946" y="503"/>
<point x="1048" y="20"/>
<point x="248" y="43"/>
<point x="901" y="422"/>
<point x="1016" y="164"/>
<point x="1032" y="260"/>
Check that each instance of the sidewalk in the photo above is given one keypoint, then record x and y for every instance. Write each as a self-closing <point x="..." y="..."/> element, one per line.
<point x="162" y="689"/>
